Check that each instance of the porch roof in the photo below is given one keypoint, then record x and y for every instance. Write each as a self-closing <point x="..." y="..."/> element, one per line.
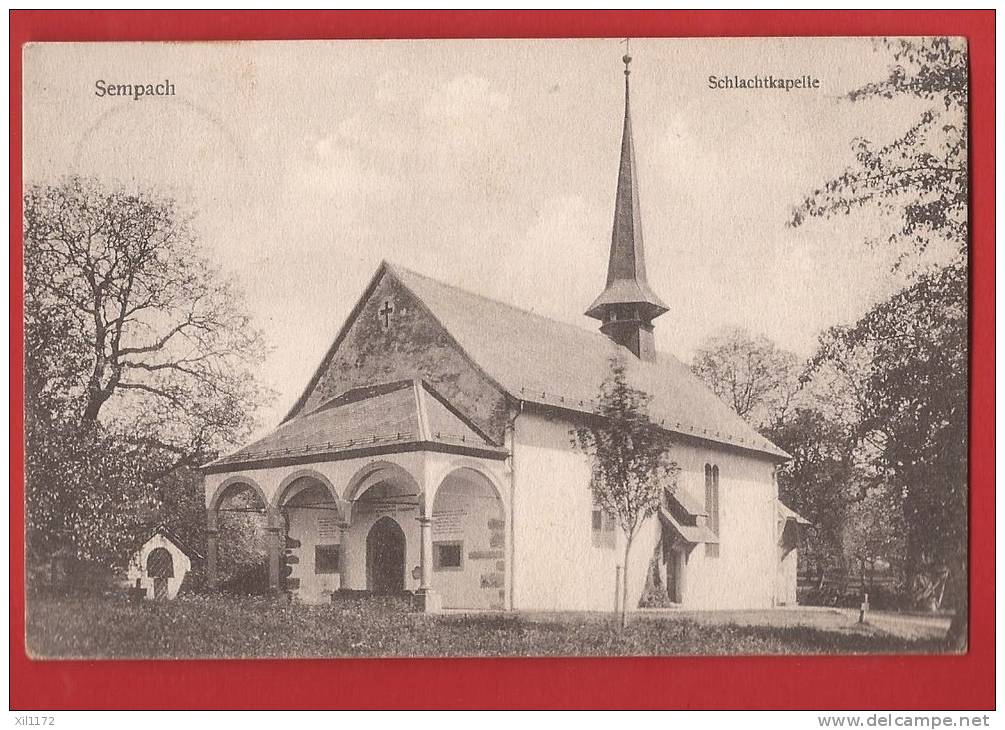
<point x="405" y="415"/>
<point x="689" y="533"/>
<point x="684" y="516"/>
<point x="786" y="513"/>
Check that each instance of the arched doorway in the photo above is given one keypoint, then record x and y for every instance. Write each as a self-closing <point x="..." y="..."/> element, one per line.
<point x="385" y="557"/>
<point x="160" y="567"/>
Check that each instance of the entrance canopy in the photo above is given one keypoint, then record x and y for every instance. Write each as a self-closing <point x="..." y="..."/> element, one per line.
<point x="404" y="415"/>
<point x="384" y="488"/>
<point x="686" y="520"/>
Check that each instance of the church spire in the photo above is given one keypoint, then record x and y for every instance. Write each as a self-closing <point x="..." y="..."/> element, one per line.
<point x="627" y="306"/>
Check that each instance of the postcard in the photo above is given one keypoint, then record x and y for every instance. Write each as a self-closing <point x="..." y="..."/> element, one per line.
<point x="563" y="347"/>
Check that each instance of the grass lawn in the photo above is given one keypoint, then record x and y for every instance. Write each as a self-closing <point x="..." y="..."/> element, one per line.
<point x="228" y="626"/>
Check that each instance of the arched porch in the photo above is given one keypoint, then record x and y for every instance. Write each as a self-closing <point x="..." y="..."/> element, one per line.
<point x="425" y="523"/>
<point x="312" y="523"/>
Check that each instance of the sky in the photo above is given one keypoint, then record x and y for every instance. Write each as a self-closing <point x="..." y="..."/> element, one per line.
<point x="491" y="165"/>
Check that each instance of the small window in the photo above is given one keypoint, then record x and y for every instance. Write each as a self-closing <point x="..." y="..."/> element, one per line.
<point x="327" y="559"/>
<point x="448" y="555"/>
<point x="712" y="507"/>
<point x="603" y="525"/>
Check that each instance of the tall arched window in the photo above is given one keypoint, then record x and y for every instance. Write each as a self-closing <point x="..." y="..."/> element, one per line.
<point x="712" y="506"/>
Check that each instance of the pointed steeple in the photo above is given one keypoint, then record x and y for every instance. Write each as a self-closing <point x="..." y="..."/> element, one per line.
<point x="627" y="306"/>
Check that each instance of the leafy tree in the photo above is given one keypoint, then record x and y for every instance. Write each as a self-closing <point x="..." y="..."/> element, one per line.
<point x="83" y="491"/>
<point x="750" y="373"/>
<point x="181" y="504"/>
<point x="920" y="178"/>
<point x="159" y="344"/>
<point x="875" y="532"/>
<point x="816" y="481"/>
<point x="139" y="361"/>
<point x="917" y="395"/>
<point x="915" y="390"/>
<point x="912" y="419"/>
<point x="243" y="551"/>
<point x="631" y="468"/>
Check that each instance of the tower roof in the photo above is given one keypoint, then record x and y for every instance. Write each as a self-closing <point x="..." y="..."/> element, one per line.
<point x="626" y="270"/>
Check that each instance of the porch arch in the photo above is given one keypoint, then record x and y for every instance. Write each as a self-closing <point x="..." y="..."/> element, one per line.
<point x="469" y="540"/>
<point x="231" y="486"/>
<point x="289" y="480"/>
<point x="311" y="523"/>
<point x="380" y="488"/>
<point x="472" y="470"/>
<point x="376" y="472"/>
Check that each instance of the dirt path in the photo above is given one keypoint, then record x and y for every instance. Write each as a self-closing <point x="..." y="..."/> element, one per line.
<point x="844" y="620"/>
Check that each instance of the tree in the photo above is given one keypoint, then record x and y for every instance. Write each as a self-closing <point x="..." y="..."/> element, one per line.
<point x="631" y="468"/>
<point x="817" y="481"/>
<point x="84" y="491"/>
<point x="921" y="177"/>
<point x="916" y="387"/>
<point x="139" y="360"/>
<point x="875" y="532"/>
<point x="917" y="396"/>
<point x="159" y="342"/>
<point x="750" y="373"/>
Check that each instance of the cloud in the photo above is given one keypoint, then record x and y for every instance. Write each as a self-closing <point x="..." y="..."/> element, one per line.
<point x="557" y="265"/>
<point x="464" y="97"/>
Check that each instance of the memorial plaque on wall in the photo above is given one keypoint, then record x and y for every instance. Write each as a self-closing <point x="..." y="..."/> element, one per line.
<point x="448" y="522"/>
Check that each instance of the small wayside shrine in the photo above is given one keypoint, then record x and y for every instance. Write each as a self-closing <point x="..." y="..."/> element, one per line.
<point x="430" y="453"/>
<point x="159" y="567"/>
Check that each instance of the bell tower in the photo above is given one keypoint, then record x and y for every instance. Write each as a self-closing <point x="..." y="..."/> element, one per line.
<point x="627" y="306"/>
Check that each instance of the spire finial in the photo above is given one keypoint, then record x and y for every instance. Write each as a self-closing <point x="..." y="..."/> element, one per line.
<point x="627" y="306"/>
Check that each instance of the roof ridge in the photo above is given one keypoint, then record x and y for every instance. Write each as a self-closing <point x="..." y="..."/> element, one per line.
<point x="359" y="393"/>
<point x="596" y="333"/>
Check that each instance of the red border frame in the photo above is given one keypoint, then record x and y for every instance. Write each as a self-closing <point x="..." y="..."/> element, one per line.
<point x="840" y="682"/>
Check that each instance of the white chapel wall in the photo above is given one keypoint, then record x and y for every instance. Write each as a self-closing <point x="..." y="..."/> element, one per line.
<point x="557" y="567"/>
<point x="744" y="573"/>
<point x="308" y="527"/>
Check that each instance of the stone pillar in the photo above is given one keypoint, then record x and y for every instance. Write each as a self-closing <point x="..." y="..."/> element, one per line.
<point x="426" y="530"/>
<point x="212" y="537"/>
<point x="343" y="556"/>
<point x="428" y="600"/>
<point x="275" y="550"/>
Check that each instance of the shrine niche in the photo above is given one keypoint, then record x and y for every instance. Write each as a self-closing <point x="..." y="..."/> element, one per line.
<point x="161" y="564"/>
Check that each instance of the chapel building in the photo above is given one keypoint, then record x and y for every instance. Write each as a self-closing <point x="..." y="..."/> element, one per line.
<point x="431" y="453"/>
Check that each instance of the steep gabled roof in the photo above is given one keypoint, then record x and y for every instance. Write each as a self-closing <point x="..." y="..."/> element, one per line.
<point x="544" y="361"/>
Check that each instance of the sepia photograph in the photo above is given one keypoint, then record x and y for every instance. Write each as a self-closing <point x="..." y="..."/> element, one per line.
<point x="496" y="347"/>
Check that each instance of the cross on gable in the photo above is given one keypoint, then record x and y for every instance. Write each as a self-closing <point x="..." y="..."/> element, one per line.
<point x="384" y="313"/>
